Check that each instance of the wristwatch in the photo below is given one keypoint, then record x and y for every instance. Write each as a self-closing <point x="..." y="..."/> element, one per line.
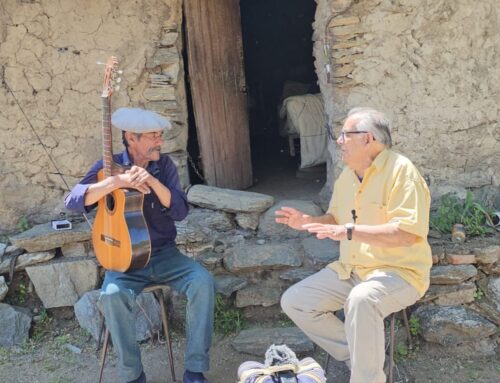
<point x="349" y="227"/>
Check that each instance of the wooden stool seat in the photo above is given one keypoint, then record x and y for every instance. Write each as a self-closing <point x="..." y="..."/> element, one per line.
<point x="391" y="343"/>
<point x="157" y="290"/>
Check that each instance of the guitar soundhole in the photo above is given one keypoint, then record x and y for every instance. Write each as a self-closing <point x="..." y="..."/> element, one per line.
<point x="110" y="202"/>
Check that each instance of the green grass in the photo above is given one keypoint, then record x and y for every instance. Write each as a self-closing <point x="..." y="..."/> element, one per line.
<point x="23" y="224"/>
<point x="415" y="327"/>
<point x="227" y="319"/>
<point x="468" y="212"/>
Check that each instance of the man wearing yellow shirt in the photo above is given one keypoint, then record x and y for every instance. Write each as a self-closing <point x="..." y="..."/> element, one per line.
<point x="379" y="212"/>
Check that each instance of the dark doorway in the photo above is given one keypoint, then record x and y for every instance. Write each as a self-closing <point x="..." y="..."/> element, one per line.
<point x="277" y="45"/>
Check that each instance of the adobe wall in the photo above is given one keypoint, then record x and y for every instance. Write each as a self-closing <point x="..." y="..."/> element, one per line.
<point x="432" y="66"/>
<point x="48" y="58"/>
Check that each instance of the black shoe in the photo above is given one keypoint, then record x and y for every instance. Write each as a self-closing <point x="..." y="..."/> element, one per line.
<point x="194" y="377"/>
<point x="140" y="379"/>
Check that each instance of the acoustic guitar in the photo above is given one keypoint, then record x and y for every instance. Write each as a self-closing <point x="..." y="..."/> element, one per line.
<point x="120" y="235"/>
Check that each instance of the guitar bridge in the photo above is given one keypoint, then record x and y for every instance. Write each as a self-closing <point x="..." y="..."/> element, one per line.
<point x="110" y="241"/>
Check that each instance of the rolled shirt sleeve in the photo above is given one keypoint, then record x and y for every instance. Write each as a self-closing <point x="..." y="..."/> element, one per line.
<point x="75" y="200"/>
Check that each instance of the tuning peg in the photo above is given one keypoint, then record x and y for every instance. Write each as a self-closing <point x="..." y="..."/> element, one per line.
<point x="117" y="88"/>
<point x="100" y="63"/>
<point x="120" y="71"/>
<point x="119" y="80"/>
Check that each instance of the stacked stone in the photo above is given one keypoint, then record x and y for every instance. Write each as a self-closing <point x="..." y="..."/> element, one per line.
<point x="253" y="260"/>
<point x="460" y="311"/>
<point x="165" y="93"/>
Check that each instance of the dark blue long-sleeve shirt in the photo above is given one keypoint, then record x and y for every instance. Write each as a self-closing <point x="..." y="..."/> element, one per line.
<point x="159" y="219"/>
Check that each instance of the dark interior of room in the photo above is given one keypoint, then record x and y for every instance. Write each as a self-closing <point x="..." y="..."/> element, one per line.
<point x="277" y="45"/>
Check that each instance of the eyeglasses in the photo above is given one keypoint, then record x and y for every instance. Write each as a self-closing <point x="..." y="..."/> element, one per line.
<point x="343" y="134"/>
<point x="153" y="135"/>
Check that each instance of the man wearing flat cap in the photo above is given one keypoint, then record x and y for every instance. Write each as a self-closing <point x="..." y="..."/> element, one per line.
<point x="155" y="175"/>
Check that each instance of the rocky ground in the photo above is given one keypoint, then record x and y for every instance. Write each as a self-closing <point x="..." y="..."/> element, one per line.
<point x="59" y="351"/>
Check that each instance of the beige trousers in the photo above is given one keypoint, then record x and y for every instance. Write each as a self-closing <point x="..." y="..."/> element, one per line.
<point x="359" y="341"/>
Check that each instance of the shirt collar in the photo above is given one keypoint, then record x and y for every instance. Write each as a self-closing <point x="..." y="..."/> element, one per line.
<point x="381" y="159"/>
<point x="378" y="163"/>
<point x="126" y="159"/>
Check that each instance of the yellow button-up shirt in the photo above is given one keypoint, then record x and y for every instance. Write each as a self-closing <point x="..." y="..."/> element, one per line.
<point x="392" y="190"/>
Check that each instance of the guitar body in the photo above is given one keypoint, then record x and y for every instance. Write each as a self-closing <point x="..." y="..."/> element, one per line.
<point x="120" y="235"/>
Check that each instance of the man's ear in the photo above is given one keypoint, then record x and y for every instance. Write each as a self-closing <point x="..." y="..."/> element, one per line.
<point x="370" y="138"/>
<point x="131" y="137"/>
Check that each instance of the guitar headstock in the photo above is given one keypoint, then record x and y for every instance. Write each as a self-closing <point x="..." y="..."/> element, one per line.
<point x="111" y="76"/>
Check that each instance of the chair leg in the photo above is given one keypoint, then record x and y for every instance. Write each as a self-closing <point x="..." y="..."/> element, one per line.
<point x="291" y="146"/>
<point x="408" y="333"/>
<point x="391" y="347"/>
<point x="327" y="362"/>
<point x="167" y="333"/>
<point x="103" y="353"/>
<point x="101" y="331"/>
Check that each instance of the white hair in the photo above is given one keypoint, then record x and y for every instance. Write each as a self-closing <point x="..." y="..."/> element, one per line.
<point x="373" y="121"/>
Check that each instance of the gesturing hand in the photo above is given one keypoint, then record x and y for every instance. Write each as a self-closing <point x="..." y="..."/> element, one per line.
<point x="291" y="217"/>
<point x="322" y="231"/>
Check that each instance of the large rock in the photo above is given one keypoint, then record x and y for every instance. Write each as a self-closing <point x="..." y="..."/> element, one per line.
<point x="63" y="283"/>
<point x="452" y="325"/>
<point x="256" y="341"/>
<point x="487" y="309"/>
<point x="451" y="274"/>
<point x="268" y="226"/>
<point x="26" y="259"/>
<point x="188" y="233"/>
<point x="233" y="201"/>
<point x="487" y="255"/>
<point x="211" y="219"/>
<point x="89" y="317"/>
<point x="228" y="284"/>
<point x="248" y="220"/>
<point x="320" y="252"/>
<point x="43" y="237"/>
<point x="258" y="296"/>
<point x="450" y="295"/>
<point x="491" y="289"/>
<point x="15" y="326"/>
<point x="270" y="256"/>
<point x="78" y="249"/>
<point x="210" y="260"/>
<point x="192" y="239"/>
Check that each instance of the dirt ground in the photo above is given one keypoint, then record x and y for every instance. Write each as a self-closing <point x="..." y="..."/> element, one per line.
<point x="60" y="352"/>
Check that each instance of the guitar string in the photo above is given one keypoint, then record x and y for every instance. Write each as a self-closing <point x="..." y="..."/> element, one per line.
<point x="58" y="172"/>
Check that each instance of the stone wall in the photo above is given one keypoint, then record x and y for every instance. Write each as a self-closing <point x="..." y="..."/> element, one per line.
<point x="432" y="66"/>
<point x="254" y="260"/>
<point x="50" y="86"/>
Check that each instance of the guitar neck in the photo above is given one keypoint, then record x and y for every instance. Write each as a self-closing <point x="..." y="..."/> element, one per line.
<point x="107" y="139"/>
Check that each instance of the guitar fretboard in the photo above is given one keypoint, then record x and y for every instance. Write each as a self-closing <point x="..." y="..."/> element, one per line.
<point x="107" y="141"/>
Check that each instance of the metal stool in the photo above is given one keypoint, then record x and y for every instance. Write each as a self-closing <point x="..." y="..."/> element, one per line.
<point x="391" y="343"/>
<point x="158" y="292"/>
